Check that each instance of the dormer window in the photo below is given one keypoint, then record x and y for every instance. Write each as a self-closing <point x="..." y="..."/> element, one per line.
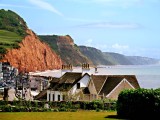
<point x="78" y="85"/>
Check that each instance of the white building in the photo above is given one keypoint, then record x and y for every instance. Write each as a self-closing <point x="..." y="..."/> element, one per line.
<point x="68" y="87"/>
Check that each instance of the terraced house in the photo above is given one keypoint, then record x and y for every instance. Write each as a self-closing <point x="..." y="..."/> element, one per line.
<point x="85" y="87"/>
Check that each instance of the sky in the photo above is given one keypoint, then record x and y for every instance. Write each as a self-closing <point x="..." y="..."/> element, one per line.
<point x="129" y="27"/>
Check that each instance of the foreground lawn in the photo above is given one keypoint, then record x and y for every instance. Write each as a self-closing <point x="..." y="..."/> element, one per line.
<point x="83" y="115"/>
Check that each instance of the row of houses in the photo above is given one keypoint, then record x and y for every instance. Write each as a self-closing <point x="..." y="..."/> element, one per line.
<point x="84" y="87"/>
<point x="7" y="72"/>
<point x="77" y="86"/>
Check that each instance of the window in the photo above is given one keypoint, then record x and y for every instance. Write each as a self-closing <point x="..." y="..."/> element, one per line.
<point x="53" y="97"/>
<point x="78" y="85"/>
<point x="59" y="97"/>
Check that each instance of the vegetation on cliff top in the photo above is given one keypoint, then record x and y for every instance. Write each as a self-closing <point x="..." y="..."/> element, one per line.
<point x="109" y="58"/>
<point x="8" y="40"/>
<point x="66" y="48"/>
<point x="12" y="30"/>
<point x="11" y="21"/>
<point x="51" y="40"/>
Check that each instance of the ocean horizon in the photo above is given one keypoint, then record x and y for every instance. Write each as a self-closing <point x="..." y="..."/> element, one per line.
<point x="148" y="76"/>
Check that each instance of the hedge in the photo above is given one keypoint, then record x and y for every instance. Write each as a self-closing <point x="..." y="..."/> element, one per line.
<point x="139" y="103"/>
<point x="7" y="106"/>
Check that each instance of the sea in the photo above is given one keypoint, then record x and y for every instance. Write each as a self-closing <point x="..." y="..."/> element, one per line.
<point x="148" y="76"/>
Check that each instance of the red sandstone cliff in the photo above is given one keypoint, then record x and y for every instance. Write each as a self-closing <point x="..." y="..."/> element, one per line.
<point x="33" y="55"/>
<point x="70" y="52"/>
<point x="66" y="48"/>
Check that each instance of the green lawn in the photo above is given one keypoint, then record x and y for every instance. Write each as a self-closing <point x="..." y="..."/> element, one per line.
<point x="80" y="115"/>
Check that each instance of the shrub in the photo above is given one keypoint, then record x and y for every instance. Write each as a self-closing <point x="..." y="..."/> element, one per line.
<point x="35" y="104"/>
<point x="138" y="103"/>
<point x="6" y="108"/>
<point x="63" y="109"/>
<point x="98" y="110"/>
<point x="3" y="50"/>
<point x="73" y="110"/>
<point x="55" y="110"/>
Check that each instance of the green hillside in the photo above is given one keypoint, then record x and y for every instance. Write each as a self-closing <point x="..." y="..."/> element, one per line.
<point x="118" y="59"/>
<point x="51" y="40"/>
<point x="12" y="30"/>
<point x="66" y="48"/>
<point x="109" y="58"/>
<point x="97" y="56"/>
<point x="11" y="21"/>
<point x="8" y="40"/>
<point x="104" y="58"/>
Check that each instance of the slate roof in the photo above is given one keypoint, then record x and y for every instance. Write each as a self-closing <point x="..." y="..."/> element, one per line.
<point x="55" y="80"/>
<point x="66" y="82"/>
<point x="113" y="80"/>
<point x="98" y="81"/>
<point x="41" y="95"/>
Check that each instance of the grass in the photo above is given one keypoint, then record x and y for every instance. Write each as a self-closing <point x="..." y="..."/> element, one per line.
<point x="7" y="37"/>
<point x="80" y="115"/>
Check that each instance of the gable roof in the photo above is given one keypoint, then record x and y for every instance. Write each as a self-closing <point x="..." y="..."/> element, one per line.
<point x="98" y="81"/>
<point x="55" y="80"/>
<point x="113" y="80"/>
<point x="41" y="95"/>
<point x="67" y="81"/>
<point x="70" y="77"/>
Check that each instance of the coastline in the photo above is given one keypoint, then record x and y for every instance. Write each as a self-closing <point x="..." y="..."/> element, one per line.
<point x="148" y="76"/>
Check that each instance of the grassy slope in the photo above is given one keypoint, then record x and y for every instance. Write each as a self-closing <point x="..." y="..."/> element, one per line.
<point x="9" y="38"/>
<point x="12" y="30"/>
<point x="83" y="115"/>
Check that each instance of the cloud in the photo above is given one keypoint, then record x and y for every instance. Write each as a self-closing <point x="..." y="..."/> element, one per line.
<point x="46" y="6"/>
<point x="77" y="19"/>
<point x="120" y="47"/>
<point x="111" y="25"/>
<point x="89" y="42"/>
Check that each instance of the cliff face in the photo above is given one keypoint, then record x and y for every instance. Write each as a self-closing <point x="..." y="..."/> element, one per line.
<point x="67" y="49"/>
<point x="97" y="56"/>
<point x="109" y="58"/>
<point x="33" y="55"/>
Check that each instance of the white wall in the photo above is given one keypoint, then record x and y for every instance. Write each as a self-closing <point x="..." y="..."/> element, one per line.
<point x="83" y="83"/>
<point x="55" y="93"/>
<point x="11" y="94"/>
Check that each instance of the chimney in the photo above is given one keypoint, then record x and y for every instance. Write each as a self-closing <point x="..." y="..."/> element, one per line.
<point x="85" y="68"/>
<point x="66" y="68"/>
<point x="96" y="70"/>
